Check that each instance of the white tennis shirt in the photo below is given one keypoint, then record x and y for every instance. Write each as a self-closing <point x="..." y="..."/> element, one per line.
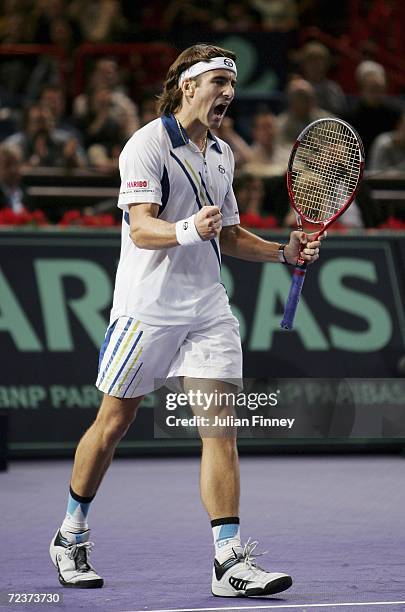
<point x="182" y="284"/>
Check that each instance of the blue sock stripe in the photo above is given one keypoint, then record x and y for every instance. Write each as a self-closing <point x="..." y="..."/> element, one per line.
<point x="227" y="531"/>
<point x="73" y="504"/>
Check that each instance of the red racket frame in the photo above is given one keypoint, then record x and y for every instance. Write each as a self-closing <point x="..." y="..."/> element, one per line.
<point x="325" y="224"/>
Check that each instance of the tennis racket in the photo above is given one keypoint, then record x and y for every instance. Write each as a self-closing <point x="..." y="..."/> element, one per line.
<point x="324" y="172"/>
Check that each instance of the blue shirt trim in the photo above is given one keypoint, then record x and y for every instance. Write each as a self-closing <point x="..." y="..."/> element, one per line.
<point x="165" y="184"/>
<point x="197" y="199"/>
<point x="178" y="136"/>
<point x="216" y="142"/>
<point x="175" y="135"/>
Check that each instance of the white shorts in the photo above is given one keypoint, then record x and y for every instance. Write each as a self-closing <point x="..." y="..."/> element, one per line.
<point x="137" y="358"/>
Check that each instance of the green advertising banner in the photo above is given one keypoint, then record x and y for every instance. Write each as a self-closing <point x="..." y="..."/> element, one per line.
<point x="56" y="291"/>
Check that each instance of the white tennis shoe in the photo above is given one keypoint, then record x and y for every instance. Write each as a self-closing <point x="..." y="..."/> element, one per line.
<point x="70" y="556"/>
<point x="240" y="576"/>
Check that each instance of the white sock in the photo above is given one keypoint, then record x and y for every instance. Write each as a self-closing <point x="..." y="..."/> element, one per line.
<point x="226" y="533"/>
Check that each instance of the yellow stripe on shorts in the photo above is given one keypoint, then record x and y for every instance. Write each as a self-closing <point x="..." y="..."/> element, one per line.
<point x="120" y="354"/>
<point x="130" y="368"/>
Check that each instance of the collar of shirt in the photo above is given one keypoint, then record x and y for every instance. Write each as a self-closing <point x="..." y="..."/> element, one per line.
<point x="178" y="135"/>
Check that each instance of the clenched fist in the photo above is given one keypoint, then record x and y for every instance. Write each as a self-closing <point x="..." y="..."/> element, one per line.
<point x="208" y="222"/>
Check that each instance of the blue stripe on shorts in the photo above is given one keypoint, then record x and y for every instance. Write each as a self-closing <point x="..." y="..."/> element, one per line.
<point x="105" y="343"/>
<point x="132" y="379"/>
<point x="117" y="346"/>
<point x="125" y="362"/>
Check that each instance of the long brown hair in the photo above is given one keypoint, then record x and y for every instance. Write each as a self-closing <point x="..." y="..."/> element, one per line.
<point x="170" y="100"/>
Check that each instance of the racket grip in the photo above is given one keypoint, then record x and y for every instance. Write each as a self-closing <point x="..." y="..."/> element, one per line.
<point x="290" y="309"/>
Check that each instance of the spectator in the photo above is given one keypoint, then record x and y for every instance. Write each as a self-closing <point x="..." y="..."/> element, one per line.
<point x="373" y="114"/>
<point x="351" y="219"/>
<point x="99" y="20"/>
<point x="318" y="13"/>
<point x="40" y="144"/>
<point x="148" y="110"/>
<point x="377" y="23"/>
<point x="53" y="99"/>
<point x="106" y="74"/>
<point x="46" y="14"/>
<point x="301" y="110"/>
<point x="268" y="156"/>
<point x="265" y="157"/>
<point x="12" y="193"/>
<point x="13" y="23"/>
<point x="238" y="15"/>
<point x="146" y="20"/>
<point x="14" y="71"/>
<point x="281" y="15"/>
<point x="8" y="114"/>
<point x="102" y="133"/>
<point x="388" y="150"/>
<point x="241" y="150"/>
<point x="250" y="194"/>
<point x="183" y="15"/>
<point x="51" y="70"/>
<point x="315" y="62"/>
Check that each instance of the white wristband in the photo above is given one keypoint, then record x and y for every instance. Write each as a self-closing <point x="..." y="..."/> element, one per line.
<point x="186" y="232"/>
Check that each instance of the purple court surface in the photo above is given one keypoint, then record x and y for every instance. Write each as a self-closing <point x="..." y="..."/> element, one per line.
<point x="336" y="523"/>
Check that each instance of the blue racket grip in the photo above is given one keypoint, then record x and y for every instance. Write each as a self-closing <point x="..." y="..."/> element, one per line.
<point x="290" y="309"/>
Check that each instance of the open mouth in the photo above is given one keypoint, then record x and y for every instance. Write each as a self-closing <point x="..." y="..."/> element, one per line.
<point x="219" y="110"/>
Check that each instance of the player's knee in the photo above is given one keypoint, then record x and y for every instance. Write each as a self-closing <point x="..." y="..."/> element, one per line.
<point x="114" y="426"/>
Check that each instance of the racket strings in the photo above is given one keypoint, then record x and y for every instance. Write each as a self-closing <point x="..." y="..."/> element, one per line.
<point x="323" y="181"/>
<point x="325" y="170"/>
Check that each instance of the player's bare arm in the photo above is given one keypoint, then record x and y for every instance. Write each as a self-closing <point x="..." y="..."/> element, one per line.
<point x="238" y="242"/>
<point x="149" y="232"/>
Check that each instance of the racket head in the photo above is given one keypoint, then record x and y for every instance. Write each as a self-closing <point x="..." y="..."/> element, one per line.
<point x="325" y="168"/>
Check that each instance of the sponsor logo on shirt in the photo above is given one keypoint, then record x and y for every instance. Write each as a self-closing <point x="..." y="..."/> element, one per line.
<point x="132" y="184"/>
<point x="221" y="169"/>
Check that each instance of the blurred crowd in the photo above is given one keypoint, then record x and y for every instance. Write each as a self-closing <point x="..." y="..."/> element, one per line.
<point x="44" y="122"/>
<point x="47" y="21"/>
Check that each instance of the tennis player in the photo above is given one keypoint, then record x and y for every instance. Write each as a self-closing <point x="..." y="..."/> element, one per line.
<point x="171" y="317"/>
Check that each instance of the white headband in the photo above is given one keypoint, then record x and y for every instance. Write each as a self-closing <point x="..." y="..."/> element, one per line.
<point x="215" y="63"/>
